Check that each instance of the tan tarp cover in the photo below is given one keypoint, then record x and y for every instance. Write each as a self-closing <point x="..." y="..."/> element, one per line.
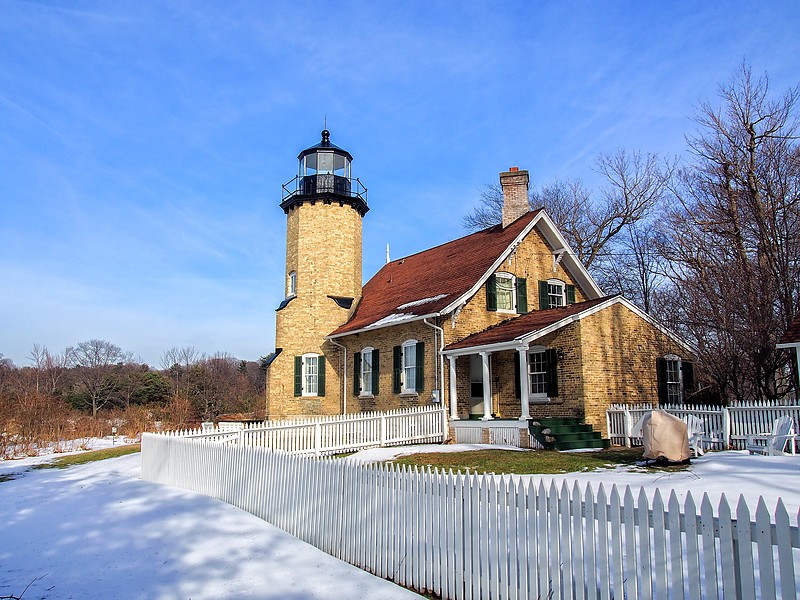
<point x="665" y="435"/>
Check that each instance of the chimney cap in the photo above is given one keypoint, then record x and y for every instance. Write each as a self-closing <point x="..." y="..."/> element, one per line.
<point x="513" y="169"/>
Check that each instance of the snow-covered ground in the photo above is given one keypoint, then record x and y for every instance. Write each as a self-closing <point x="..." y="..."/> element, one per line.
<point x="732" y="473"/>
<point x="98" y="531"/>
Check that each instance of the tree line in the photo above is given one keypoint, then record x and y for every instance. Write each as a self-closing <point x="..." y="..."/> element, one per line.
<point x="85" y="390"/>
<point x="707" y="243"/>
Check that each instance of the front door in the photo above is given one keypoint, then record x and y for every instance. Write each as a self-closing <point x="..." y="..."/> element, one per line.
<point x="475" y="385"/>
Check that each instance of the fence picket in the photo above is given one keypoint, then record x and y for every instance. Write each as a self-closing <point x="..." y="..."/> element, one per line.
<point x="485" y="536"/>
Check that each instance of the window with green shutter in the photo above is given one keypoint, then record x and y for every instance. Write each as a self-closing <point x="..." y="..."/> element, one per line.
<point x="397" y="368"/>
<point x="420" y="367"/>
<point x="321" y="375"/>
<point x="552" y="373"/>
<point x="298" y="375"/>
<point x="544" y="299"/>
<point x="357" y="373"/>
<point x="522" y="295"/>
<point x="491" y="293"/>
<point x="376" y="363"/>
<point x="570" y="294"/>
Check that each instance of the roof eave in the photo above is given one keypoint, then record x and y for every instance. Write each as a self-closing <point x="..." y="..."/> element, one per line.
<point x="376" y="327"/>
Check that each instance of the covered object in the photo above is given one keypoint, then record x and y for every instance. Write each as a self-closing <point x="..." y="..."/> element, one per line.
<point x="664" y="436"/>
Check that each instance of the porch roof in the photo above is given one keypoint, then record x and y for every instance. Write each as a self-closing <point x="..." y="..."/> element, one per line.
<point x="517" y="331"/>
<point x="792" y="336"/>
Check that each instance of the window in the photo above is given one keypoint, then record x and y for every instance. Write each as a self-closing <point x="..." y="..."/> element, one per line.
<point x="506" y="293"/>
<point x="408" y="375"/>
<point x="554" y="293"/>
<point x="542" y="374"/>
<point x="291" y="284"/>
<point x="675" y="379"/>
<point x="366" y="375"/>
<point x="537" y="373"/>
<point x="309" y="375"/>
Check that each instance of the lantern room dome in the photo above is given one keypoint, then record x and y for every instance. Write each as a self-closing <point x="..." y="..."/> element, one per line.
<point x="325" y="175"/>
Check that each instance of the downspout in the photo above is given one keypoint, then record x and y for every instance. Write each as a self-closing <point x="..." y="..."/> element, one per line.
<point x="344" y="374"/>
<point x="439" y="366"/>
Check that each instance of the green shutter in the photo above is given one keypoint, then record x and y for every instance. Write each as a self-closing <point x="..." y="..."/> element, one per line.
<point x="687" y="369"/>
<point x="357" y="373"/>
<point x="298" y="375"/>
<point x="491" y="293"/>
<point x="517" y="382"/>
<point x="420" y="364"/>
<point x="321" y="375"/>
<point x="522" y="295"/>
<point x="376" y="371"/>
<point x="552" y="373"/>
<point x="397" y="366"/>
<point x="570" y="294"/>
<point x="661" y="377"/>
<point x="544" y="300"/>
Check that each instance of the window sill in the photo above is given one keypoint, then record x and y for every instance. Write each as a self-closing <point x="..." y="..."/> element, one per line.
<point x="366" y="396"/>
<point x="408" y="394"/>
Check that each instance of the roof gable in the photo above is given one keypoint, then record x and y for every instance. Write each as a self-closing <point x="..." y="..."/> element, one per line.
<point x="438" y="280"/>
<point x="792" y="335"/>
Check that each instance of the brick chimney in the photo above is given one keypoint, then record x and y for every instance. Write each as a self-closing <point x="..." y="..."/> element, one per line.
<point x="515" y="194"/>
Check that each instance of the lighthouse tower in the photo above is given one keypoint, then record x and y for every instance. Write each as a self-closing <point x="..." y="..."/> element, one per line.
<point x="324" y="206"/>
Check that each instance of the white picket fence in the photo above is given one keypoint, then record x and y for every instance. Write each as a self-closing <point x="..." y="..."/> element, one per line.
<point x="724" y="427"/>
<point x="332" y="434"/>
<point x="484" y="536"/>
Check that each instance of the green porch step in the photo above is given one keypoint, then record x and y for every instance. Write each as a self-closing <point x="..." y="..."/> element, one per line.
<point x="566" y="434"/>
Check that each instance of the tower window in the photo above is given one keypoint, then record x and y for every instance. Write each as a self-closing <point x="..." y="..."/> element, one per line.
<point x="291" y="284"/>
<point x="309" y="375"/>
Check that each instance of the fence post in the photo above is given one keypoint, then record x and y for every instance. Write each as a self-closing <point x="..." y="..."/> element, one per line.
<point x="240" y="437"/>
<point x="317" y="438"/>
<point x="383" y="430"/>
<point x="726" y="427"/>
<point x="628" y="426"/>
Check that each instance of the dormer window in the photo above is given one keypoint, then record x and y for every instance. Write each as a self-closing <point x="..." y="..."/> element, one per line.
<point x="506" y="293"/>
<point x="554" y="293"/>
<point x="291" y="284"/>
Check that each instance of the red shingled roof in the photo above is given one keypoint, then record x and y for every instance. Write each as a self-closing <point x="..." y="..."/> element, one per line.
<point x="437" y="276"/>
<point x="792" y="334"/>
<point x="524" y="324"/>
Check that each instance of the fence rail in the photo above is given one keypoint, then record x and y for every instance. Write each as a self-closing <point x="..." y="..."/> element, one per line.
<point x="724" y="427"/>
<point x="332" y="434"/>
<point x="483" y="536"/>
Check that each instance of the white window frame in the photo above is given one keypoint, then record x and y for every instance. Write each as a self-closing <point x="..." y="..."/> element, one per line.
<point x="562" y="297"/>
<point x="513" y="279"/>
<point x="291" y="284"/>
<point x="674" y="379"/>
<point x="366" y="390"/>
<point x="310" y="374"/>
<point x="409" y="364"/>
<point x="537" y="351"/>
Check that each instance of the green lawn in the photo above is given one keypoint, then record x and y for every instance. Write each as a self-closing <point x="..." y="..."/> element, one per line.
<point x="63" y="462"/>
<point x="530" y="462"/>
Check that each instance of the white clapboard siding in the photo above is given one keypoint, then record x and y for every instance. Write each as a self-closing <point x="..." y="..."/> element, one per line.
<point x="723" y="427"/>
<point x="485" y="536"/>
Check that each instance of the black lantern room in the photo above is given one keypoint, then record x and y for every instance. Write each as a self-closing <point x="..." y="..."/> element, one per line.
<point x="325" y="176"/>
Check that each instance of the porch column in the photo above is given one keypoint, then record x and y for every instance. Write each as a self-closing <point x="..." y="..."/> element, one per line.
<point x="525" y="414"/>
<point x="453" y="390"/>
<point x="487" y="388"/>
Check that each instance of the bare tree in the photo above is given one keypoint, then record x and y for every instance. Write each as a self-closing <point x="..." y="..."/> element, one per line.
<point x="734" y="235"/>
<point x="96" y="360"/>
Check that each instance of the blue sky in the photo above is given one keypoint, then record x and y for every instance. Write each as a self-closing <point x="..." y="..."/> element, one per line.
<point x="143" y="144"/>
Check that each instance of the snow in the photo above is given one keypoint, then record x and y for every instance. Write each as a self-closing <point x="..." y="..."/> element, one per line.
<point x="65" y="447"/>
<point x="98" y="531"/>
<point x="732" y="473"/>
<point x="390" y="320"/>
<point x="423" y="301"/>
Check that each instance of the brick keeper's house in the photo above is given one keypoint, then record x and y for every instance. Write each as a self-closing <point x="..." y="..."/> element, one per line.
<point x="503" y="323"/>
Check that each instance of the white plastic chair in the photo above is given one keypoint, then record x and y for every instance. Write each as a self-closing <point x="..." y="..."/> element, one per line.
<point x="783" y="431"/>
<point x="696" y="431"/>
